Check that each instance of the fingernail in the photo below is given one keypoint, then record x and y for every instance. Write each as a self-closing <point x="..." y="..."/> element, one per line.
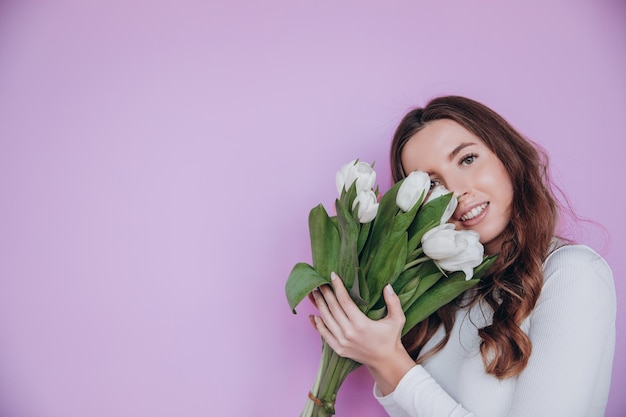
<point x="333" y="276"/>
<point x="389" y="289"/>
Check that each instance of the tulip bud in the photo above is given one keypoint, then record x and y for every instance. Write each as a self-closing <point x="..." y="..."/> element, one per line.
<point x="413" y="187"/>
<point x="368" y="205"/>
<point x="361" y="172"/>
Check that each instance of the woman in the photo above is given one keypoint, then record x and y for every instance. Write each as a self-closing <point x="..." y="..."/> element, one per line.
<point x="537" y="335"/>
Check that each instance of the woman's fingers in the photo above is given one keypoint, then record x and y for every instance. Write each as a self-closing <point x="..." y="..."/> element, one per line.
<point x="351" y="333"/>
<point x="345" y="301"/>
<point x="328" y="336"/>
<point x="394" y="306"/>
<point x="331" y="316"/>
<point x="334" y="305"/>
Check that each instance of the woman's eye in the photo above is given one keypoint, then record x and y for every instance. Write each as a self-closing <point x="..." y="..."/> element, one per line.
<point x="433" y="183"/>
<point x="468" y="159"/>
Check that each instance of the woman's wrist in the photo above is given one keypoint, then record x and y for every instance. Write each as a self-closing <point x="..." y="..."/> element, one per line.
<point x="388" y="372"/>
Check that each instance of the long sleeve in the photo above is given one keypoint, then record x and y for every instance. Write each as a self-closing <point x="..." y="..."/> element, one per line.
<point x="572" y="330"/>
<point x="418" y="394"/>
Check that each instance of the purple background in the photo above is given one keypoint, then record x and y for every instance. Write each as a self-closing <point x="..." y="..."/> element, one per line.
<point x="158" y="160"/>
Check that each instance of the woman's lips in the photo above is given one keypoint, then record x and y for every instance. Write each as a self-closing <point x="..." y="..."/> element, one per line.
<point x="475" y="215"/>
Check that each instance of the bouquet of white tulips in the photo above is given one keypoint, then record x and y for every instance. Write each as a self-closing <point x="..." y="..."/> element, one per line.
<point x="402" y="239"/>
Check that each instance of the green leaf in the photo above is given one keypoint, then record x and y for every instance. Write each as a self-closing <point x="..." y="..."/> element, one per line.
<point x="395" y="228"/>
<point x="443" y="292"/>
<point x="429" y="217"/>
<point x="387" y="256"/>
<point x="348" y="262"/>
<point x="377" y="314"/>
<point x="407" y="276"/>
<point x="335" y="222"/>
<point x="386" y="267"/>
<point x="347" y="199"/>
<point x="387" y="209"/>
<point x="302" y="280"/>
<point x="324" y="241"/>
<point x="430" y="274"/>
<point x="363" y="291"/>
<point x="446" y="290"/>
<point x="434" y="209"/>
<point x="406" y="294"/>
<point x="482" y="269"/>
<point x="401" y="222"/>
<point x="403" y="280"/>
<point x="363" y="235"/>
<point x="415" y="235"/>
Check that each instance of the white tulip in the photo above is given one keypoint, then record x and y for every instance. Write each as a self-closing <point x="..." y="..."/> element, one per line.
<point x="453" y="250"/>
<point x="440" y="191"/>
<point x="413" y="187"/>
<point x="368" y="205"/>
<point x="361" y="172"/>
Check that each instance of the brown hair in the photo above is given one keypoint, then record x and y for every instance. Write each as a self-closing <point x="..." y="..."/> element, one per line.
<point x="514" y="281"/>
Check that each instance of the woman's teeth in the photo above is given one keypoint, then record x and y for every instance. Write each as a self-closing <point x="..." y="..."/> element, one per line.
<point x="474" y="212"/>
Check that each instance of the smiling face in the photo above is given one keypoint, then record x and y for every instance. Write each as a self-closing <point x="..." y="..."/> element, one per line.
<point x="457" y="159"/>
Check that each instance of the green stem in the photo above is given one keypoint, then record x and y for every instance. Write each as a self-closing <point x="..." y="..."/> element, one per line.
<point x="417" y="252"/>
<point x="330" y="369"/>
<point x="331" y="374"/>
<point x="415" y="262"/>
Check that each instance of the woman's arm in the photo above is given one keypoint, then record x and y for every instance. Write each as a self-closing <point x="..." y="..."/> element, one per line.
<point x="572" y="330"/>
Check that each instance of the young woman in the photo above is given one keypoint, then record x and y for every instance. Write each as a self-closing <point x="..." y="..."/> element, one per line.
<point x="536" y="336"/>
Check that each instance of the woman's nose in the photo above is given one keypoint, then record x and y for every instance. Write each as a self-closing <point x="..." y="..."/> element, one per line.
<point x="459" y="195"/>
<point x="459" y="185"/>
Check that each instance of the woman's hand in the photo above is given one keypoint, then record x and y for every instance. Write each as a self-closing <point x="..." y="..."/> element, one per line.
<point x="351" y="334"/>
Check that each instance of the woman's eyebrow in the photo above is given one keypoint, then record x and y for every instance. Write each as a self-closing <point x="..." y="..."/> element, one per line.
<point x="458" y="149"/>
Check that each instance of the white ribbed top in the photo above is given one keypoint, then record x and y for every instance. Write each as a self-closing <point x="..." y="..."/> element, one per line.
<point x="572" y="330"/>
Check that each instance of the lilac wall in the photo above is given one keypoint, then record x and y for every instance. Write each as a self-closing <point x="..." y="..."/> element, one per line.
<point x="158" y="161"/>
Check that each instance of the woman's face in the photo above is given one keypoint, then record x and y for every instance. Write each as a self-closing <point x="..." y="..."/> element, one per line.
<point x="457" y="159"/>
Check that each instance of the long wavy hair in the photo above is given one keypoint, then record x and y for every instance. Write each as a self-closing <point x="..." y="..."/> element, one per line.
<point x="513" y="284"/>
